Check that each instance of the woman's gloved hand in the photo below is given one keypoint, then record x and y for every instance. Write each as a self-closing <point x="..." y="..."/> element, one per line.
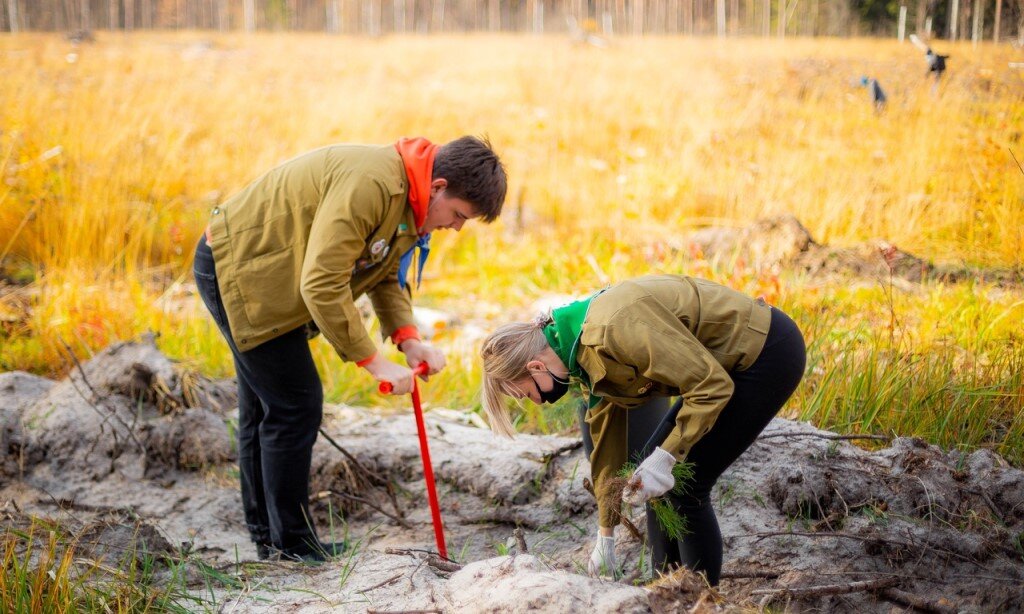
<point x="602" y="559"/>
<point x="652" y="478"/>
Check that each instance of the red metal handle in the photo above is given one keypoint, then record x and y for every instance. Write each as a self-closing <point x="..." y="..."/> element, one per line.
<point x="387" y="387"/>
<point x="428" y="473"/>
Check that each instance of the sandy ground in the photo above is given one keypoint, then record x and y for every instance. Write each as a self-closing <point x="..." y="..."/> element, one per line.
<point x="132" y="454"/>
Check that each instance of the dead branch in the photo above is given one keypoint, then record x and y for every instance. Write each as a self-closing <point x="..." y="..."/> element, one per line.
<point x="892" y="542"/>
<point x="520" y="540"/>
<point x="737" y="574"/>
<point x="826" y="436"/>
<point x="419" y="553"/>
<point x="435" y="611"/>
<point x="375" y="478"/>
<point x="635" y="532"/>
<point x="380" y="584"/>
<point x="829" y="589"/>
<point x="548" y="456"/>
<point x="988" y="501"/>
<point x="110" y="412"/>
<point x="444" y="565"/>
<point x="913" y="601"/>
<point x="501" y="515"/>
<point x="401" y="521"/>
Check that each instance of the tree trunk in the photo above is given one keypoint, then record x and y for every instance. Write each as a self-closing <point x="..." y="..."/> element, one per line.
<point x="978" y="21"/>
<point x="12" y="15"/>
<point x="954" y="18"/>
<point x="249" y="14"/>
<point x="995" y="27"/>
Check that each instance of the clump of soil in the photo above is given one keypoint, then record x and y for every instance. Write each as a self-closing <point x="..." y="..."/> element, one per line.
<point x="810" y="521"/>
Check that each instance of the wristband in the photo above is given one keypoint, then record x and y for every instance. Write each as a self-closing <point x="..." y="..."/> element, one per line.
<point x="404" y="333"/>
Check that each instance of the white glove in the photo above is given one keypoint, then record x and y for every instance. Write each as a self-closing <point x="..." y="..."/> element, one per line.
<point x="602" y="559"/>
<point x="652" y="478"/>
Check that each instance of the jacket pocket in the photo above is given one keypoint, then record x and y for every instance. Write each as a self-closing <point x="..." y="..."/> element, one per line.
<point x="270" y="289"/>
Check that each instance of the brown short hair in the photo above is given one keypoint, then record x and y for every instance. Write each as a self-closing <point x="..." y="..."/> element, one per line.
<point x="474" y="173"/>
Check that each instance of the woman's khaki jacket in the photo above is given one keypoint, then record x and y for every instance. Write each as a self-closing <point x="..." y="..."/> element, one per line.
<point x="663" y="335"/>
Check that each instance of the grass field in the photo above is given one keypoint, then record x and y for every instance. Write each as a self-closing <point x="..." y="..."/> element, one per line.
<point x="112" y="153"/>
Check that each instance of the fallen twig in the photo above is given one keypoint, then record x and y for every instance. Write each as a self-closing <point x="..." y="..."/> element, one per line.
<point x="440" y="564"/>
<point x="635" y="532"/>
<point x="419" y="553"/>
<point x="737" y="574"/>
<point x="502" y="515"/>
<point x="829" y="589"/>
<point x="876" y="539"/>
<point x="988" y="501"/>
<point x="375" y="477"/>
<point x="547" y="456"/>
<point x="110" y="412"/>
<point x="380" y="584"/>
<point x="913" y="601"/>
<point x="401" y="521"/>
<point x="826" y="436"/>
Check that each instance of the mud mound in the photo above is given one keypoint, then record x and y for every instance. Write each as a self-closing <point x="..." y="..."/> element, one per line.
<point x="17" y="391"/>
<point x="115" y="537"/>
<point x="122" y="411"/>
<point x="782" y="241"/>
<point x="942" y="526"/>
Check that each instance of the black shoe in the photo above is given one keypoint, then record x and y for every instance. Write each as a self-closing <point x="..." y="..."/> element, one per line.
<point x="264" y="550"/>
<point x="303" y="553"/>
<point x="333" y="549"/>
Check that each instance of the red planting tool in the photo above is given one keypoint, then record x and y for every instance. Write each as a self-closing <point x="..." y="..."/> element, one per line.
<point x="428" y="471"/>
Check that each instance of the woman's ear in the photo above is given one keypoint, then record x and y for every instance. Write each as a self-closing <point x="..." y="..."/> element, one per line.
<point x="536" y="366"/>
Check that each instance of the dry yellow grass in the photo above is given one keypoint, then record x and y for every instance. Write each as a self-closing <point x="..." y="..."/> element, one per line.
<point x="611" y="153"/>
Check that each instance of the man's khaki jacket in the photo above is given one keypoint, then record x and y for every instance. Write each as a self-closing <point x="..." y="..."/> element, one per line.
<point x="306" y="239"/>
<point x="663" y="335"/>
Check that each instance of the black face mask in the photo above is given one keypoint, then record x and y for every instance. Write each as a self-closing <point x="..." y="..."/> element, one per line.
<point x="558" y="389"/>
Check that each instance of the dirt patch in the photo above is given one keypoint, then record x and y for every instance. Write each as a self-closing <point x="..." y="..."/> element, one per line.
<point x="784" y="242"/>
<point x="810" y="522"/>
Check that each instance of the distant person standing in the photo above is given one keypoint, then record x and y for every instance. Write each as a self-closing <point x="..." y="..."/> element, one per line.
<point x="936" y="63"/>
<point x="290" y="253"/>
<point x="875" y="91"/>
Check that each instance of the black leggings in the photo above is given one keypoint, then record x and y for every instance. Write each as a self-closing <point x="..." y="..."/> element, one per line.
<point x="280" y="404"/>
<point x="760" y="392"/>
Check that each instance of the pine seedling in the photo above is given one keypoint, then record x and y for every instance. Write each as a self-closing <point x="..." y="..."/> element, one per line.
<point x="670" y="520"/>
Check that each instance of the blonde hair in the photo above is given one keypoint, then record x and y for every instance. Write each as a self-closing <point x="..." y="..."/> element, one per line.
<point x="505" y="353"/>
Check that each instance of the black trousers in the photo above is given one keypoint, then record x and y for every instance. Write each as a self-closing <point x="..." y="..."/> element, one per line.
<point x="759" y="394"/>
<point x="280" y="405"/>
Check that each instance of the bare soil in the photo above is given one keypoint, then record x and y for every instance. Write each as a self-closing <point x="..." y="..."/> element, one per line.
<point x="130" y="455"/>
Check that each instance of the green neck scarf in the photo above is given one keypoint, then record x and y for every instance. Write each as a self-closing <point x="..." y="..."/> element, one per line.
<point x="563" y="334"/>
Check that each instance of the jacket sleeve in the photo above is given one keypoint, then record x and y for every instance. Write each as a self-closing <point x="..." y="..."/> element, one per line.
<point x="607" y="423"/>
<point x="392" y="304"/>
<point x="661" y="348"/>
<point x="348" y="213"/>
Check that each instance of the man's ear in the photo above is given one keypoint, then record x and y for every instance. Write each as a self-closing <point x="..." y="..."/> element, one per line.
<point x="437" y="185"/>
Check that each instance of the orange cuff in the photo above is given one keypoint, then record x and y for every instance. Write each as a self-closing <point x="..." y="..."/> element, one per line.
<point x="404" y="333"/>
<point x="366" y="361"/>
